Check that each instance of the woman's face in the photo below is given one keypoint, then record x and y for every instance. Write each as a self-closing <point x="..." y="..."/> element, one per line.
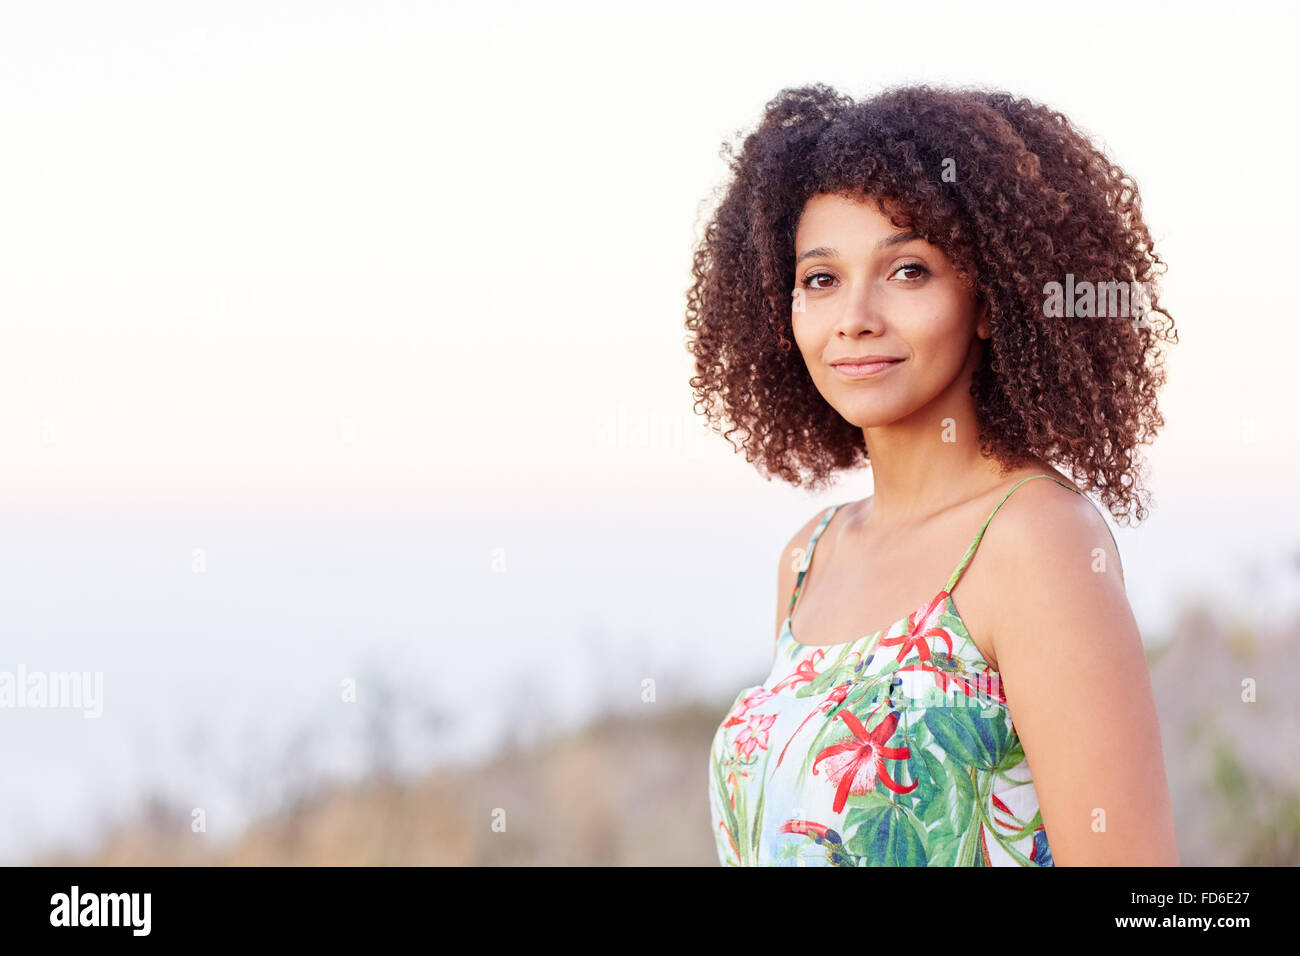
<point x="864" y="288"/>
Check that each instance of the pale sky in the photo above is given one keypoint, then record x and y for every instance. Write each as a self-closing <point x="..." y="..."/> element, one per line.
<point x="412" y="247"/>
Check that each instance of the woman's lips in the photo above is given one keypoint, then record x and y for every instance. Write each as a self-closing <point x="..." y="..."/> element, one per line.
<point x="864" y="370"/>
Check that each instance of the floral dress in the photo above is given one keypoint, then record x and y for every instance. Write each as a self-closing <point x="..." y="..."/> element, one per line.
<point x="895" y="749"/>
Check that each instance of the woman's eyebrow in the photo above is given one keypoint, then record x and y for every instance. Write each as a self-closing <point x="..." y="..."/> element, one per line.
<point x="897" y="239"/>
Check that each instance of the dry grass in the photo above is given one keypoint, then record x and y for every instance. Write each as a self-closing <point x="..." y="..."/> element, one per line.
<point x="625" y="791"/>
<point x="631" y="789"/>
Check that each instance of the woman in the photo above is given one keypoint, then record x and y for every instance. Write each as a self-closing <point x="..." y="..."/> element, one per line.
<point x="882" y="282"/>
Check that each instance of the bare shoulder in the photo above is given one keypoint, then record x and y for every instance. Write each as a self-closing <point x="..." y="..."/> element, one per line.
<point x="1042" y="514"/>
<point x="1057" y="539"/>
<point x="792" y="554"/>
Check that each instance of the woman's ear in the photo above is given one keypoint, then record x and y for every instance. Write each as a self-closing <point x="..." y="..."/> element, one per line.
<point x="982" y="322"/>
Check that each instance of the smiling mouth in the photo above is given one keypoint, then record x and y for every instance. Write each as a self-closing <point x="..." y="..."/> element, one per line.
<point x="857" y="370"/>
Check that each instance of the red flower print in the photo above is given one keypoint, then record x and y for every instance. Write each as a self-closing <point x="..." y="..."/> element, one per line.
<point x="732" y="783"/>
<point x="921" y="624"/>
<point x="723" y="827"/>
<point x="825" y="837"/>
<point x="836" y="697"/>
<point x="805" y="673"/>
<point x="806" y="827"/>
<point x="750" y="700"/>
<point x="856" y="762"/>
<point x="754" y="736"/>
<point x="999" y="805"/>
<point x="833" y="699"/>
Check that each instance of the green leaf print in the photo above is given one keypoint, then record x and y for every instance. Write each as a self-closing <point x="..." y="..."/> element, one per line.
<point x="919" y="732"/>
<point x="961" y="807"/>
<point x="886" y="837"/>
<point x="728" y="816"/>
<point x="969" y="831"/>
<point x="937" y="788"/>
<point x="834" y="673"/>
<point x="972" y="851"/>
<point x="953" y="623"/>
<point x="758" y="808"/>
<point x="1014" y="754"/>
<point x="1011" y="850"/>
<point x="968" y="738"/>
<point x="943" y="848"/>
<point x="863" y="806"/>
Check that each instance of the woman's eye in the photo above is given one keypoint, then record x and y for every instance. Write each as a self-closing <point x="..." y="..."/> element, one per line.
<point x="809" y="281"/>
<point x="913" y="265"/>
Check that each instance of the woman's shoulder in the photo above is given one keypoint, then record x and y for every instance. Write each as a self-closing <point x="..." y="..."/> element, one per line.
<point x="797" y="545"/>
<point x="793" y="551"/>
<point x="1045" y="524"/>
<point x="803" y="534"/>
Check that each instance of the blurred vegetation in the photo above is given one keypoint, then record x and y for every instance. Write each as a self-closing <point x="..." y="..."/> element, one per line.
<point x="630" y="788"/>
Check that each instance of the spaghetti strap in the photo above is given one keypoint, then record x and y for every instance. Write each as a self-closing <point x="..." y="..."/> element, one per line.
<point x="807" y="555"/>
<point x="961" y="566"/>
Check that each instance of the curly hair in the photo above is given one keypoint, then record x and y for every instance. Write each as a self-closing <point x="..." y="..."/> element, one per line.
<point x="1033" y="200"/>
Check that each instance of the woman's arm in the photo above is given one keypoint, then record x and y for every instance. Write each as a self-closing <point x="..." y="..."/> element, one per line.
<point x="1075" y="675"/>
